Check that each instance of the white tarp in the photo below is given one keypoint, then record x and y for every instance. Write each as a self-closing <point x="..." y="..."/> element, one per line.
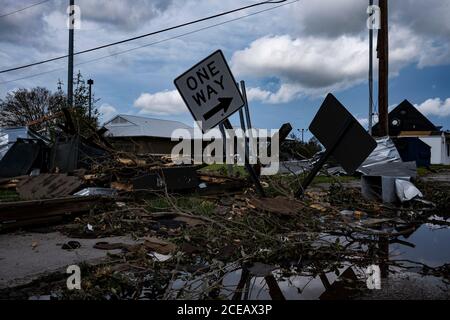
<point x="406" y="191"/>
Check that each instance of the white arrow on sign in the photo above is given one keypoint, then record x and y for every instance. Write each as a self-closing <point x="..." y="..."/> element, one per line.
<point x="210" y="91"/>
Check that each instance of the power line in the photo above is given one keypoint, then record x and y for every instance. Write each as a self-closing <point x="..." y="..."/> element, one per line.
<point x="152" y="43"/>
<point x="144" y="35"/>
<point x="23" y="9"/>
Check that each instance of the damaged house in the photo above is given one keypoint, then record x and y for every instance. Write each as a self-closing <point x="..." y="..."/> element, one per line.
<point x="21" y="150"/>
<point x="143" y="135"/>
<point x="416" y="136"/>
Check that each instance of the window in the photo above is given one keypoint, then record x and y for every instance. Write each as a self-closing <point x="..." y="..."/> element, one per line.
<point x="448" y="150"/>
<point x="396" y="122"/>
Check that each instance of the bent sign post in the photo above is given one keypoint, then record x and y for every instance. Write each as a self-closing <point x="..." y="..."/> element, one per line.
<point x="210" y="91"/>
<point x="342" y="136"/>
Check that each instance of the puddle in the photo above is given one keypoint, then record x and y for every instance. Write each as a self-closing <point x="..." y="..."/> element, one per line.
<point x="401" y="274"/>
<point x="414" y="265"/>
<point x="431" y="246"/>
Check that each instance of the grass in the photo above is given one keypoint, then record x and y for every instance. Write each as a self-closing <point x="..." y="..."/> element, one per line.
<point x="433" y="168"/>
<point x="328" y="179"/>
<point x="188" y="204"/>
<point x="222" y="169"/>
<point x="9" y="196"/>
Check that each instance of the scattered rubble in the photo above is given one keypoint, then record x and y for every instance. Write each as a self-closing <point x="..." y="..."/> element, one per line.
<point x="193" y="229"/>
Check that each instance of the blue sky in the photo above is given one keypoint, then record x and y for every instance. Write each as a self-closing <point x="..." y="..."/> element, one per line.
<point x="290" y="57"/>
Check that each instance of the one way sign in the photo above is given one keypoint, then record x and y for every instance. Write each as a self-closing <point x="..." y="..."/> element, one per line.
<point x="210" y="91"/>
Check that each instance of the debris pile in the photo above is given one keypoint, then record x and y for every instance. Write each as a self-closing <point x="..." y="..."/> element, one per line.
<point x="195" y="230"/>
<point x="76" y="173"/>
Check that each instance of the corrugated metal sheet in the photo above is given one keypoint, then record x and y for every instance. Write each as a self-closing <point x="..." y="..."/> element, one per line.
<point x="8" y="136"/>
<point x="134" y="126"/>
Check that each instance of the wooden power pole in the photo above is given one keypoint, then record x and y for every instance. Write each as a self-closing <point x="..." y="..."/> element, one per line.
<point x="383" y="77"/>
<point x="370" y="75"/>
<point x="70" y="65"/>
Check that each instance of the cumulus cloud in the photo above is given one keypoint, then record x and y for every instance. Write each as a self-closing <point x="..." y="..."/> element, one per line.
<point x="161" y="103"/>
<point x="22" y="28"/>
<point x="317" y="65"/>
<point x="107" y="111"/>
<point x="330" y="18"/>
<point x="308" y="65"/>
<point x="429" y="18"/>
<point x="435" y="107"/>
<point x="119" y="13"/>
<point x="309" y="47"/>
<point x="286" y="93"/>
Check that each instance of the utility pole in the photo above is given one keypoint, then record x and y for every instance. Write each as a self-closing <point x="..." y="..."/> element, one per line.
<point x="383" y="78"/>
<point x="90" y="82"/>
<point x="370" y="75"/>
<point x="303" y="134"/>
<point x="70" y="66"/>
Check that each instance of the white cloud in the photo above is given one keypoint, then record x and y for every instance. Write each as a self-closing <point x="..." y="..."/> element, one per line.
<point x="307" y="65"/>
<point x="257" y="94"/>
<point x="286" y="93"/>
<point x="312" y="62"/>
<point x="313" y="66"/>
<point x="315" y="46"/>
<point x="161" y="103"/>
<point x="107" y="111"/>
<point x="330" y="18"/>
<point x="435" y="107"/>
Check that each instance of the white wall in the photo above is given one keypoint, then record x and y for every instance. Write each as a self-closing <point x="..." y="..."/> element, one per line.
<point x="447" y="152"/>
<point x="438" y="146"/>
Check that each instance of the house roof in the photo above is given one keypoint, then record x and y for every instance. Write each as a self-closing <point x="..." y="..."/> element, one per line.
<point x="405" y="117"/>
<point x="134" y="126"/>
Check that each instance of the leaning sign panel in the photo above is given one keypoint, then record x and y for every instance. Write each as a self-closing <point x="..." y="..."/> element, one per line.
<point x="337" y="129"/>
<point x="210" y="91"/>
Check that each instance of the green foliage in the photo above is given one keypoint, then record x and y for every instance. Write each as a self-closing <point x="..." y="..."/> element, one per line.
<point x="294" y="148"/>
<point x="222" y="169"/>
<point x="9" y="196"/>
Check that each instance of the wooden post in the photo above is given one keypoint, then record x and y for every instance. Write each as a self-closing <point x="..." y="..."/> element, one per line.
<point x="370" y="76"/>
<point x="70" y="64"/>
<point x="383" y="78"/>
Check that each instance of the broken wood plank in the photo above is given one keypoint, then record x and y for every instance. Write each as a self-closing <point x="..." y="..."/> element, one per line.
<point x="48" y="186"/>
<point x="23" y="213"/>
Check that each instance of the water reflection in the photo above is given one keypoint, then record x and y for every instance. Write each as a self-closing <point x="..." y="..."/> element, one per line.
<point x="402" y="261"/>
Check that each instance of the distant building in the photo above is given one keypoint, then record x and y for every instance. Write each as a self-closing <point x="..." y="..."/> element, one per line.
<point x="438" y="141"/>
<point x="143" y="135"/>
<point x="405" y="121"/>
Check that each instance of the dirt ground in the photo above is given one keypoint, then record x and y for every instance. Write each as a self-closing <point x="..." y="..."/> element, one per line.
<point x="240" y="246"/>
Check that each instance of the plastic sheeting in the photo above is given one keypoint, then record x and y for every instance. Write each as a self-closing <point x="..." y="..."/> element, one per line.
<point x="384" y="153"/>
<point x="406" y="191"/>
<point x="104" y="192"/>
<point x="392" y="169"/>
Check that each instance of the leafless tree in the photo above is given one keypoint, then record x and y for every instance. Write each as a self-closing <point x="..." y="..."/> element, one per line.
<point x="35" y="107"/>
